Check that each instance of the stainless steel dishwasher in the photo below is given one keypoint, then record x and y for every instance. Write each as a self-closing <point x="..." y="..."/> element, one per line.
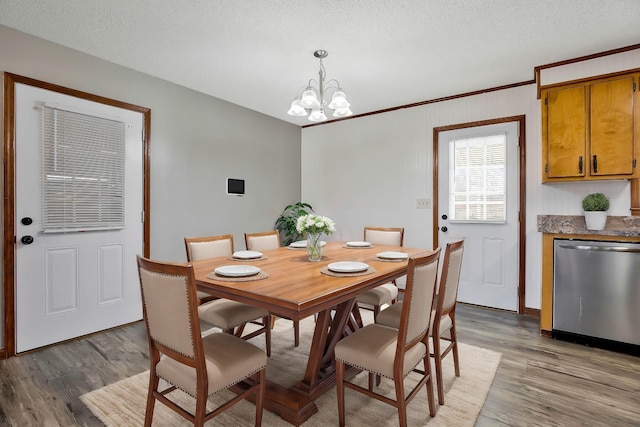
<point x="596" y="293"/>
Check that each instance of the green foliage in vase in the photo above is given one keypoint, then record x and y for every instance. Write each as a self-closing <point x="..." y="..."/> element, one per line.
<point x="288" y="219"/>
<point x="595" y="202"/>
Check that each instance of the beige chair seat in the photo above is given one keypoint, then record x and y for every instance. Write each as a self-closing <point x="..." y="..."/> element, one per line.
<point x="380" y="295"/>
<point x="229" y="360"/>
<point x="373" y="349"/>
<point x="227" y="314"/>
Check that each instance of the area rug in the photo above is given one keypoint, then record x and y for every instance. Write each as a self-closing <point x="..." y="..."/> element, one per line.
<point x="123" y="403"/>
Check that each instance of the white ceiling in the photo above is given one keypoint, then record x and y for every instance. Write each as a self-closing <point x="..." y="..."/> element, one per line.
<point x="385" y="53"/>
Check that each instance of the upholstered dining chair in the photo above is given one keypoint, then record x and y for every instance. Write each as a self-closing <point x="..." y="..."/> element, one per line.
<point x="395" y="353"/>
<point x="179" y="354"/>
<point x="444" y="315"/>
<point x="388" y="292"/>
<point x="208" y="247"/>
<point x="261" y="242"/>
<point x="230" y="316"/>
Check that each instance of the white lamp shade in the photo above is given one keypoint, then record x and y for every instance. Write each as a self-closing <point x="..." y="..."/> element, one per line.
<point x="339" y="100"/>
<point x="309" y="99"/>
<point x="342" y="112"/>
<point x="297" y="109"/>
<point x="317" y="115"/>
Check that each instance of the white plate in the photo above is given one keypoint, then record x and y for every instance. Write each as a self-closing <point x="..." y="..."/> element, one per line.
<point x="358" y="244"/>
<point x="237" y="270"/>
<point x="303" y="244"/>
<point x="392" y="255"/>
<point x="247" y="254"/>
<point x="347" y="266"/>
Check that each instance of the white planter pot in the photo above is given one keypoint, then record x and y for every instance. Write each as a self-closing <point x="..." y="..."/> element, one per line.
<point x="595" y="220"/>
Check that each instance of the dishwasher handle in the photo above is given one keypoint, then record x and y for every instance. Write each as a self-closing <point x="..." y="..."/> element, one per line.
<point x="600" y="248"/>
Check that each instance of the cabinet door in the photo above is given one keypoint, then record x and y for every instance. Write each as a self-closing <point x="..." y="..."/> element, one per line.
<point x="611" y="111"/>
<point x="564" y="131"/>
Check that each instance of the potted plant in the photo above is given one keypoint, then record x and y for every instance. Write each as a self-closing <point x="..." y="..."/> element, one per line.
<point x="595" y="207"/>
<point x="287" y="221"/>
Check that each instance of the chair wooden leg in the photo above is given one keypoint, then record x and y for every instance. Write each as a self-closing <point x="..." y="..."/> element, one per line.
<point x="429" y="385"/>
<point x="296" y="333"/>
<point x="151" y="400"/>
<point x="376" y="310"/>
<point x="454" y="340"/>
<point x="437" y="358"/>
<point x="340" y="391"/>
<point x="267" y="334"/>
<point x="400" y="402"/>
<point x="261" y="377"/>
<point x="201" y="410"/>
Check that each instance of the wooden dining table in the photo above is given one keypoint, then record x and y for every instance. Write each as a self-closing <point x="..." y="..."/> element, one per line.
<point x="297" y="288"/>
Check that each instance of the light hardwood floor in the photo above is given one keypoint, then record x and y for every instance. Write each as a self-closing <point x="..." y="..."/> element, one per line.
<point x="540" y="382"/>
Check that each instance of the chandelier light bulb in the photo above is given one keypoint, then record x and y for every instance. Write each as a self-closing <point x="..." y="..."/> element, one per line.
<point x="317" y="115"/>
<point x="342" y="112"/>
<point x="309" y="99"/>
<point x="296" y="109"/>
<point x="339" y="100"/>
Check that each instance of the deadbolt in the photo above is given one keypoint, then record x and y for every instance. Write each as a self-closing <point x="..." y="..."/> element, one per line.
<point x="26" y="221"/>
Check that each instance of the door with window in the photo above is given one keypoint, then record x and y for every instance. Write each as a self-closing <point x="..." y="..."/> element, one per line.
<point x="78" y="207"/>
<point x="478" y="201"/>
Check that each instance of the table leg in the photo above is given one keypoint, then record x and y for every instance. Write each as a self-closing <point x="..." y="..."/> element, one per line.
<point x="296" y="404"/>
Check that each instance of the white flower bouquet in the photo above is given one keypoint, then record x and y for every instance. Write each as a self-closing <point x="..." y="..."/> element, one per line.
<point x="315" y="224"/>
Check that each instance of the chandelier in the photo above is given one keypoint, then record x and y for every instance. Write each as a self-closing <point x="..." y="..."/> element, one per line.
<point x="311" y="99"/>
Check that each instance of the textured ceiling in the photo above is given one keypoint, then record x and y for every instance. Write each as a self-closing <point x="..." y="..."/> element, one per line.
<point x="385" y="53"/>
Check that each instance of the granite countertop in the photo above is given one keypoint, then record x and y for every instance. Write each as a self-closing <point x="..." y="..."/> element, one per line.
<point x="574" y="224"/>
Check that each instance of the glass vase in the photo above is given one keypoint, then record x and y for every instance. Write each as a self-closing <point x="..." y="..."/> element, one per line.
<point x="314" y="247"/>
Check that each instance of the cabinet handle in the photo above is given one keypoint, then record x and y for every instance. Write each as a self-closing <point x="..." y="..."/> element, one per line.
<point x="595" y="164"/>
<point x="580" y="164"/>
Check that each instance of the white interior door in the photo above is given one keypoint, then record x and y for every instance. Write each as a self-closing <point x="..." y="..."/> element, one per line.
<point x="478" y="201"/>
<point x="72" y="283"/>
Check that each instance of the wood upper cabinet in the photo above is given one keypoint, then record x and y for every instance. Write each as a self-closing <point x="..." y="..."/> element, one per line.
<point x="588" y="130"/>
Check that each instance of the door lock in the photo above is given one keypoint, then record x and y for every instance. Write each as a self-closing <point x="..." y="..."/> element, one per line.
<point x="443" y="229"/>
<point x="26" y="221"/>
<point x="27" y="240"/>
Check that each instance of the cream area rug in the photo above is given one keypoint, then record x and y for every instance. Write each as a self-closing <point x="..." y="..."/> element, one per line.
<point x="123" y="403"/>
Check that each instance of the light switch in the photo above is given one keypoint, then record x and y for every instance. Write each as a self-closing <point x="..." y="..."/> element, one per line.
<point x="423" y="203"/>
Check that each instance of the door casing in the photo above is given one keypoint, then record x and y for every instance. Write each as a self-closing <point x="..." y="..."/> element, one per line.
<point x="9" y="227"/>
<point x="521" y="120"/>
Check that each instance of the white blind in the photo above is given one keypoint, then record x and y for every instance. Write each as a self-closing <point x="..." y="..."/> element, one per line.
<point x="83" y="172"/>
<point x="477" y="175"/>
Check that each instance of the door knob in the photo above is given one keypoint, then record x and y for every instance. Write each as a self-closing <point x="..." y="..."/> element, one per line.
<point x="27" y="240"/>
<point x="26" y="221"/>
<point x="443" y="229"/>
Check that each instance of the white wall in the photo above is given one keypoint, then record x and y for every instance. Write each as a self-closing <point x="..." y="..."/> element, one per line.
<point x="371" y="170"/>
<point x="196" y="143"/>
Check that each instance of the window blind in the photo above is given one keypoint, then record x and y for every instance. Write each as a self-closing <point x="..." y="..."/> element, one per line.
<point x="83" y="172"/>
<point x="477" y="189"/>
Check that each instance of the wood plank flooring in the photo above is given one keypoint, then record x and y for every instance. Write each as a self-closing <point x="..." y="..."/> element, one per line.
<point x="540" y="382"/>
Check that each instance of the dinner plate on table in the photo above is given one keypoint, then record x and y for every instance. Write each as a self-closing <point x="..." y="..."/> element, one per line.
<point x="247" y="254"/>
<point x="237" y="270"/>
<point x="354" y="244"/>
<point x="348" y="267"/>
<point x="303" y="244"/>
<point x="392" y="255"/>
